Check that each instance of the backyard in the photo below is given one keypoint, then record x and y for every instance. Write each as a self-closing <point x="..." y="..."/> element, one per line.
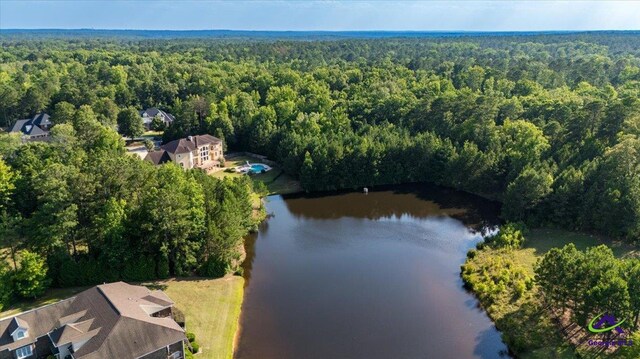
<point x="276" y="181"/>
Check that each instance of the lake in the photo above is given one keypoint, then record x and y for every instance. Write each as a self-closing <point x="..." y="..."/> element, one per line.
<point x="377" y="275"/>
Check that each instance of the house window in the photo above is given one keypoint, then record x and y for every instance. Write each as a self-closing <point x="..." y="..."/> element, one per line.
<point x="204" y="153"/>
<point x="20" y="334"/>
<point x="24" y="352"/>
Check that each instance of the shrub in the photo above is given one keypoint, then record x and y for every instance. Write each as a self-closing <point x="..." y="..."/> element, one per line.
<point x="472" y="253"/>
<point x="191" y="337"/>
<point x="196" y="347"/>
<point x="510" y="236"/>
<point x="149" y="145"/>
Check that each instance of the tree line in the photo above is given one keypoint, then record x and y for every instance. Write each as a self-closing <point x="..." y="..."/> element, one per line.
<point x="78" y="210"/>
<point x="548" y="124"/>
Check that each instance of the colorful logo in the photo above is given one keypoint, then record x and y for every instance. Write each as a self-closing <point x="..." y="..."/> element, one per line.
<point x="608" y="319"/>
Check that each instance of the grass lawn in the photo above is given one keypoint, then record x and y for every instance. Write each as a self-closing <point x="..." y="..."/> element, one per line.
<point x="211" y="308"/>
<point x="276" y="180"/>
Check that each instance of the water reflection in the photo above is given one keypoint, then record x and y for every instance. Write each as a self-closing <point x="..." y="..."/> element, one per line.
<point x="348" y="275"/>
<point x="413" y="200"/>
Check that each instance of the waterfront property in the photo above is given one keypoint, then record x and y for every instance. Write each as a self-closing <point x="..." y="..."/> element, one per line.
<point x="204" y="151"/>
<point x="114" y="320"/>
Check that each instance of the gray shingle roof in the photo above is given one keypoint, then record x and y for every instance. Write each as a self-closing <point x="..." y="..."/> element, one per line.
<point x="32" y="126"/>
<point x="153" y="112"/>
<point x="110" y="316"/>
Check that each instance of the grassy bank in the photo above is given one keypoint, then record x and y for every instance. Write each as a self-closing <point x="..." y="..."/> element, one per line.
<point x="211" y="308"/>
<point x="502" y="279"/>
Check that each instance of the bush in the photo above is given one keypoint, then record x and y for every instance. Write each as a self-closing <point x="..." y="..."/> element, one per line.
<point x="196" y="347"/>
<point x="191" y="337"/>
<point x="510" y="236"/>
<point x="149" y="145"/>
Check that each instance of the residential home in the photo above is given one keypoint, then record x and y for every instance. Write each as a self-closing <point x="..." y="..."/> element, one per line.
<point x="114" y="320"/>
<point x="205" y="152"/>
<point x="34" y="128"/>
<point x="148" y="115"/>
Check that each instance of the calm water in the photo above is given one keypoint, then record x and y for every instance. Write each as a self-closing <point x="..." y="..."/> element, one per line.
<point x="366" y="276"/>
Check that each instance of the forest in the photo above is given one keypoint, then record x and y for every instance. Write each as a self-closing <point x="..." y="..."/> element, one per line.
<point x="547" y="124"/>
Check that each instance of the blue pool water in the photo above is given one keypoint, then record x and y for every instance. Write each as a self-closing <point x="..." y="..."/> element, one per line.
<point x="258" y="168"/>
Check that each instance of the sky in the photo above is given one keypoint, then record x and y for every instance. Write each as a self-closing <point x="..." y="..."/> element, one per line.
<point x="328" y="15"/>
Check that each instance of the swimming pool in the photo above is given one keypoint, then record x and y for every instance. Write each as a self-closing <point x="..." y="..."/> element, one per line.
<point x="258" y="168"/>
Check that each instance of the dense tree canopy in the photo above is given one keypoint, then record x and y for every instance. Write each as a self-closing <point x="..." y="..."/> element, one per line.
<point x="547" y="124"/>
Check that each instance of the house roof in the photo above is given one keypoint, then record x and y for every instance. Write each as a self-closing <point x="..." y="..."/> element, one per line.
<point x="111" y="317"/>
<point x="186" y="145"/>
<point x="41" y="119"/>
<point x="32" y="126"/>
<point x="158" y="157"/>
<point x="153" y="112"/>
<point x="40" y="321"/>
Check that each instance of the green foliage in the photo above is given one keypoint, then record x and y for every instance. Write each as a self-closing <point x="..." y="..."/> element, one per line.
<point x="6" y="286"/>
<point x="510" y="235"/>
<point x="547" y="124"/>
<point x="130" y="123"/>
<point x="630" y="351"/>
<point x="191" y="337"/>
<point x="139" y="270"/>
<point x="589" y="282"/>
<point x="506" y="290"/>
<point x="149" y="145"/>
<point x="195" y="347"/>
<point x="30" y="280"/>
<point x="157" y="124"/>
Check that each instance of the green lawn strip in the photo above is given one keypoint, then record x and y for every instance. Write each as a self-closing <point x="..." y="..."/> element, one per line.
<point x="525" y="323"/>
<point x="211" y="308"/>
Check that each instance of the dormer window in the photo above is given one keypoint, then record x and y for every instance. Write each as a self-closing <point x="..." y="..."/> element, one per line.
<point x="21" y="329"/>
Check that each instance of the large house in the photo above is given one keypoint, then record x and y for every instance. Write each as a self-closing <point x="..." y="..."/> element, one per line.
<point x="114" y="320"/>
<point x="148" y="115"/>
<point x="34" y="128"/>
<point x="203" y="152"/>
